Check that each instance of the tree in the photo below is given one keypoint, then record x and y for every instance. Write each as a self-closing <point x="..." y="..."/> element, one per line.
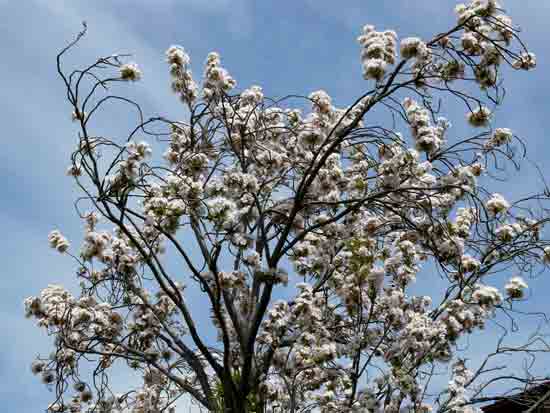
<point x="339" y="209"/>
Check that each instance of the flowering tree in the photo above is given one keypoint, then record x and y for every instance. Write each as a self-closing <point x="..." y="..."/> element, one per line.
<point x="332" y="209"/>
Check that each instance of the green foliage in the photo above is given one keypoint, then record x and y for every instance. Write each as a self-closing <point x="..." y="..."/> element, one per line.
<point x="253" y="400"/>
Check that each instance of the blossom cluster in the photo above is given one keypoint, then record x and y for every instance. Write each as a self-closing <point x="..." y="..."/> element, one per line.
<point x="58" y="241"/>
<point x="515" y="288"/>
<point x="217" y="80"/>
<point x="379" y="51"/>
<point x="428" y="138"/>
<point x="130" y="71"/>
<point x="262" y="199"/>
<point x="182" y="77"/>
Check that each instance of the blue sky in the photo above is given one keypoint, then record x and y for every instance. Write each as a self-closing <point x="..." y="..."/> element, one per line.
<point x="285" y="46"/>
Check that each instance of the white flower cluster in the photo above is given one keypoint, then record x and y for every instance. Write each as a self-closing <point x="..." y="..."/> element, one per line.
<point x="546" y="255"/>
<point x="95" y="245"/>
<point x="379" y="50"/>
<point x="129" y="168"/>
<point x="222" y="211"/>
<point x="479" y="117"/>
<point x="463" y="317"/>
<point x="252" y="96"/>
<point x="413" y="47"/>
<point x="515" y="287"/>
<point x="470" y="264"/>
<point x="458" y="398"/>
<point x="421" y="335"/>
<point x="275" y="324"/>
<point x="526" y="61"/>
<point x="322" y="102"/>
<point x="78" y="321"/>
<point x="451" y="248"/>
<point x="479" y="8"/>
<point x="182" y="77"/>
<point x="138" y="151"/>
<point x="179" y="141"/>
<point x="216" y="79"/>
<point x="486" y="31"/>
<point x="465" y="218"/>
<point x="428" y="138"/>
<point x="51" y="305"/>
<point x="486" y="296"/>
<point x="508" y="232"/>
<point x="501" y="136"/>
<point x="130" y="71"/>
<point x="497" y="205"/>
<point x="74" y="170"/>
<point x="58" y="241"/>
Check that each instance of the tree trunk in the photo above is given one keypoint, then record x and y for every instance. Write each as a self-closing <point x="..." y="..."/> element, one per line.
<point x="232" y="401"/>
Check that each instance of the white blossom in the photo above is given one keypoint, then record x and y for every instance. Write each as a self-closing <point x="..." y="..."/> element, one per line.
<point x="480" y="116"/>
<point x="526" y="61"/>
<point x="378" y="51"/>
<point x="497" y="205"/>
<point x="58" y="241"/>
<point x="412" y="47"/>
<point x="130" y="71"/>
<point x="515" y="288"/>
